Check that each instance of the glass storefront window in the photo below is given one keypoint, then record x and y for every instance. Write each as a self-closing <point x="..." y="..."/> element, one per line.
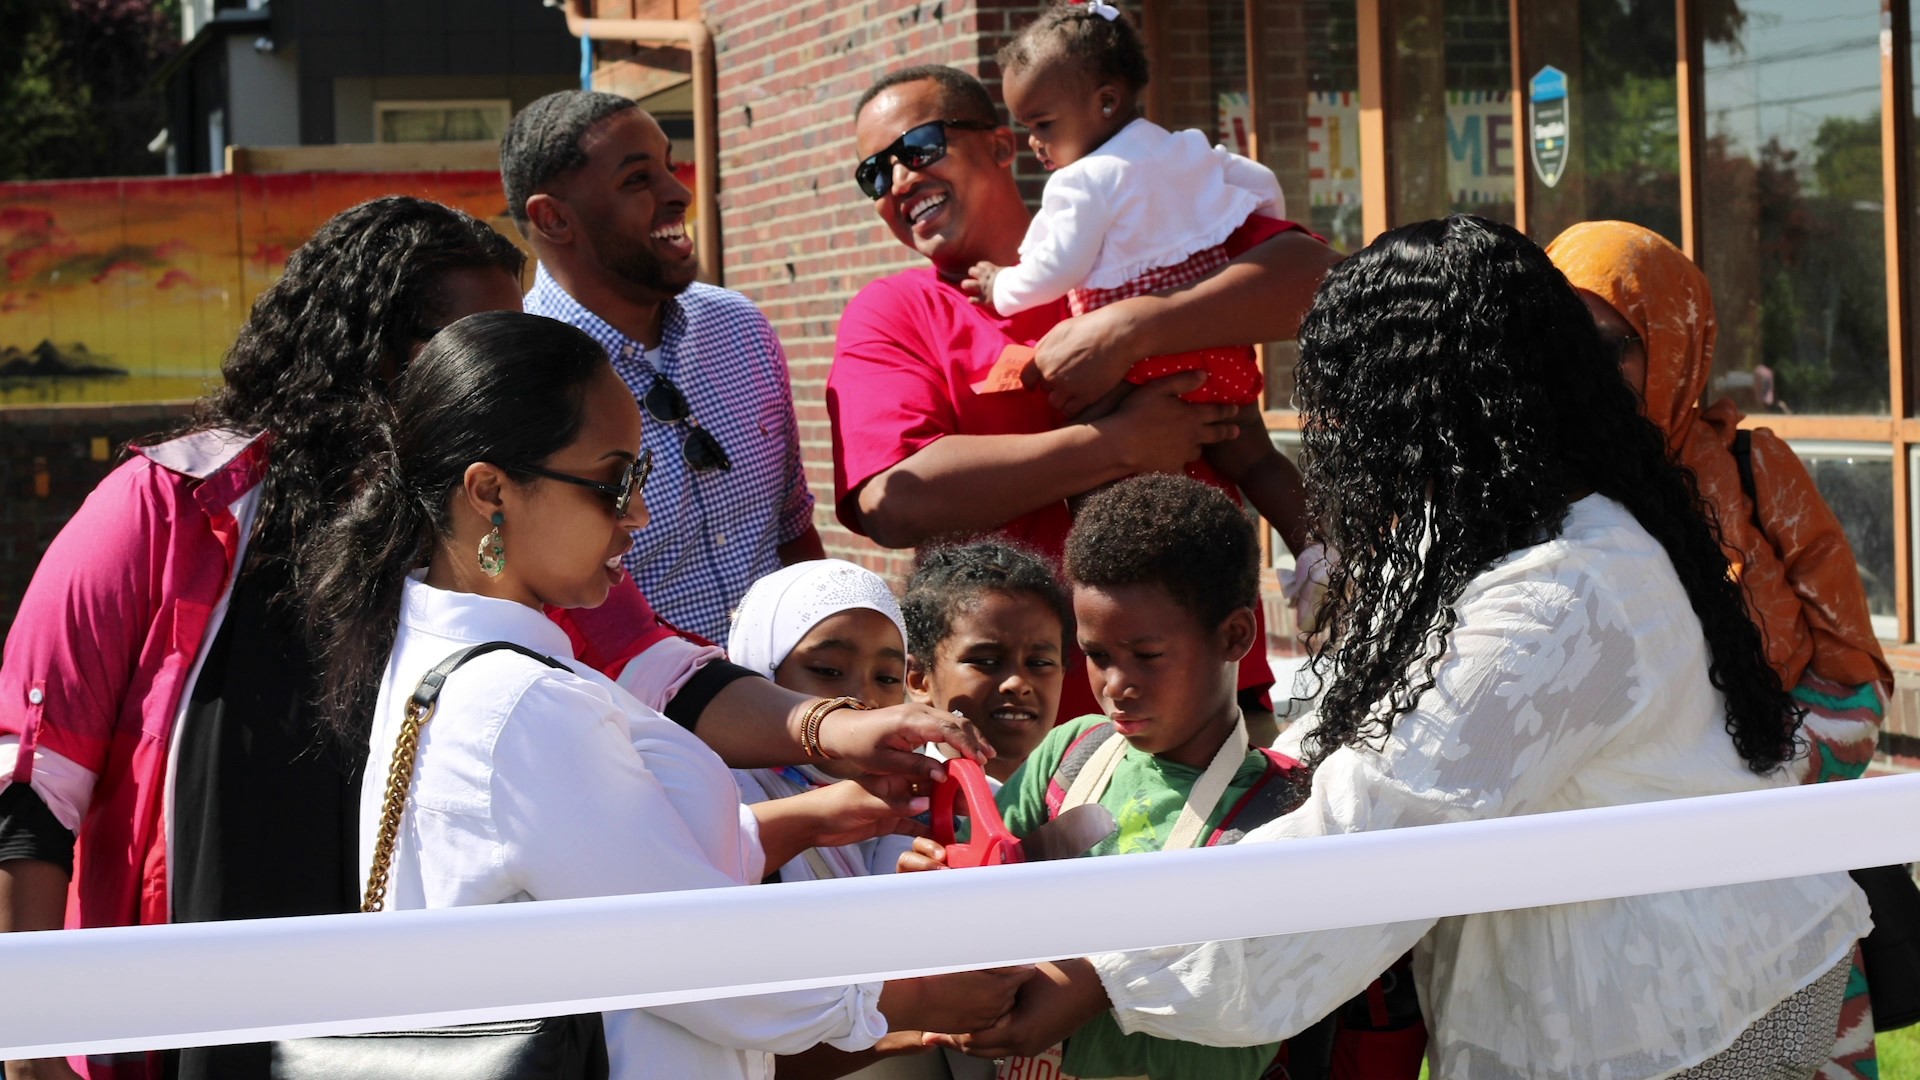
<point x="1307" y="87"/>
<point x="1623" y="114"/>
<point x="1199" y="53"/>
<point x="1450" y="137"/>
<point x="1913" y="177"/>
<point x="1857" y="482"/>
<point x="1288" y="443"/>
<point x="1794" y="238"/>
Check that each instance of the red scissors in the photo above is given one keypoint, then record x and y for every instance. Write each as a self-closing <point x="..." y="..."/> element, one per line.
<point x="1072" y="833"/>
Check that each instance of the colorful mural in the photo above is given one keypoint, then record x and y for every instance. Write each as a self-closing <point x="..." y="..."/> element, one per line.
<point x="120" y="291"/>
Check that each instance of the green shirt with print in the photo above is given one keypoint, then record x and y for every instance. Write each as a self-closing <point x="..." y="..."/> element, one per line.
<point x="1145" y="795"/>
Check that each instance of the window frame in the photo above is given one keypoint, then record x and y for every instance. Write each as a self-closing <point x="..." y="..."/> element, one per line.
<point x="502" y="107"/>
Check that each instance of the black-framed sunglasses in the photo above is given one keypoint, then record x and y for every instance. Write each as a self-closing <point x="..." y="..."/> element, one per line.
<point x="667" y="404"/>
<point x="916" y="148"/>
<point x="621" y="491"/>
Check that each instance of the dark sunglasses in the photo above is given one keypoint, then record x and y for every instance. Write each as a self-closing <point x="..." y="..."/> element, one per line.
<point x="621" y="491"/>
<point x="917" y="148"/>
<point x="667" y="404"/>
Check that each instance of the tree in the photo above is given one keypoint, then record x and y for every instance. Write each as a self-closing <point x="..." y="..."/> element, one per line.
<point x="46" y="117"/>
<point x="77" y="92"/>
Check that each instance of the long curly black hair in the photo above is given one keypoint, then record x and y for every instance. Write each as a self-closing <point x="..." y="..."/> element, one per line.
<point x="314" y="362"/>
<point x="1456" y="399"/>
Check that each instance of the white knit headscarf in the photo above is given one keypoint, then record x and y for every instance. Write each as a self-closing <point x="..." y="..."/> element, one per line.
<point x="780" y="609"/>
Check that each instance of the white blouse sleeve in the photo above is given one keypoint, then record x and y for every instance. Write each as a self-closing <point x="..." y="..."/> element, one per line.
<point x="577" y="812"/>
<point x="1537" y="674"/>
<point x="1061" y="246"/>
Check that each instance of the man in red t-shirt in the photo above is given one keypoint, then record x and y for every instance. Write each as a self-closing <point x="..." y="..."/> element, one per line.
<point x="918" y="455"/>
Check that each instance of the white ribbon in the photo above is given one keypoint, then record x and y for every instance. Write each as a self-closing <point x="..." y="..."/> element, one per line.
<point x="1104" y="10"/>
<point x="152" y="987"/>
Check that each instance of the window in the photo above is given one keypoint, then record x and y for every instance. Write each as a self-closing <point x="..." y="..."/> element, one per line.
<point x="1771" y="110"/>
<point x="1856" y="480"/>
<point x="1622" y="109"/>
<point x="1306" y="105"/>
<point x="1307" y="93"/>
<point x="440" y="121"/>
<point x="1795" y="229"/>
<point x="1450" y="138"/>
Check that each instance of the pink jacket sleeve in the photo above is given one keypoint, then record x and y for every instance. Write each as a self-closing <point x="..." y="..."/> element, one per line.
<point x="84" y="640"/>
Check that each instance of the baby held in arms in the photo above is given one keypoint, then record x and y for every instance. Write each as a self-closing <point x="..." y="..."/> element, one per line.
<point x="1131" y="209"/>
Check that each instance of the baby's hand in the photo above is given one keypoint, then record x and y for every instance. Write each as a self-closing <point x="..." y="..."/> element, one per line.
<point x="979" y="283"/>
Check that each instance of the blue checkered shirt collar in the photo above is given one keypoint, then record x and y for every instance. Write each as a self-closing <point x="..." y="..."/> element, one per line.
<point x="548" y="297"/>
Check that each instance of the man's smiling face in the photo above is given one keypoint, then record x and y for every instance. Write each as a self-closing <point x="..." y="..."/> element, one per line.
<point x="938" y="211"/>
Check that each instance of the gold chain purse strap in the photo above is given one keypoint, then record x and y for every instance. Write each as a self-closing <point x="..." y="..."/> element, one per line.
<point x="407" y="747"/>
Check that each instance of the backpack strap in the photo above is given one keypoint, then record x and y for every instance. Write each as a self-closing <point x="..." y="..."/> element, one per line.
<point x="1097" y="773"/>
<point x="1079" y="752"/>
<point x="1280" y="790"/>
<point x="1743" y="460"/>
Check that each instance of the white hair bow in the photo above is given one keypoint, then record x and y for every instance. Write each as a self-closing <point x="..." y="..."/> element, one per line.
<point x="1104" y="10"/>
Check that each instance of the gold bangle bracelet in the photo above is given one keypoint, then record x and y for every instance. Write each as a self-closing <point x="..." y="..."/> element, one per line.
<point x="815" y="716"/>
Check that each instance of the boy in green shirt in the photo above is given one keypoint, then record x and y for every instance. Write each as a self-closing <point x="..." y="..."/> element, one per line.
<point x="1164" y="572"/>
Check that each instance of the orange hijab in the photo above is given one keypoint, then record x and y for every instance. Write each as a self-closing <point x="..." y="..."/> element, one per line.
<point x="1802" y="584"/>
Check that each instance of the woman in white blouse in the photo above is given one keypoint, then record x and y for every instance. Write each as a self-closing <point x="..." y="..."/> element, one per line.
<point x="513" y="480"/>
<point x="1531" y="614"/>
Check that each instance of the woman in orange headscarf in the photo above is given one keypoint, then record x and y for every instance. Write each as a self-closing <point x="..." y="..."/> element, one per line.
<point x="1803" y="586"/>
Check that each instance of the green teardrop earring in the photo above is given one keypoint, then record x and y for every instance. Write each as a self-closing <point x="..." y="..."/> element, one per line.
<point x="493" y="549"/>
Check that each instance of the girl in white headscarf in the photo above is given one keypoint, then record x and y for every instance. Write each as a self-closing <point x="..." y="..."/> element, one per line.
<point x="834" y="629"/>
<point x="830" y="628"/>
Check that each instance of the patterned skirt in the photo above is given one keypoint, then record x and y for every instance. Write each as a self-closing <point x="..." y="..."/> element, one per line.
<point x="1792" y="1042"/>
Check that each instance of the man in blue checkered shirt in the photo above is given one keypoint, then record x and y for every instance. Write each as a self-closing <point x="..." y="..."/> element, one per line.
<point x="589" y="181"/>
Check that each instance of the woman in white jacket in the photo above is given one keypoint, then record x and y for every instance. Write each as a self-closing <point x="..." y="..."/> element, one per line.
<point x="512" y="485"/>
<point x="1531" y="613"/>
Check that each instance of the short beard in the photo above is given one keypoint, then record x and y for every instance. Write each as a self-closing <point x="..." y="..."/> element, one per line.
<point x="637" y="264"/>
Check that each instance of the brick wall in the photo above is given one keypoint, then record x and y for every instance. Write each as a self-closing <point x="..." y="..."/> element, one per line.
<point x="50" y="458"/>
<point x="800" y="238"/>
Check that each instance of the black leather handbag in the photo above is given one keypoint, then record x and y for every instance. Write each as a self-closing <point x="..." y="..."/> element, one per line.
<point x="1891" y="953"/>
<point x="551" y="1048"/>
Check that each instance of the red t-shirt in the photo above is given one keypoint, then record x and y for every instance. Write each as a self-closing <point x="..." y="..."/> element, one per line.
<point x="909" y="349"/>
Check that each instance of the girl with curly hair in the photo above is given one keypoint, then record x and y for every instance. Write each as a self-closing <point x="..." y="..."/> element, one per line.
<point x="1532" y="613"/>
<point x="156" y="692"/>
<point x="987" y="637"/>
